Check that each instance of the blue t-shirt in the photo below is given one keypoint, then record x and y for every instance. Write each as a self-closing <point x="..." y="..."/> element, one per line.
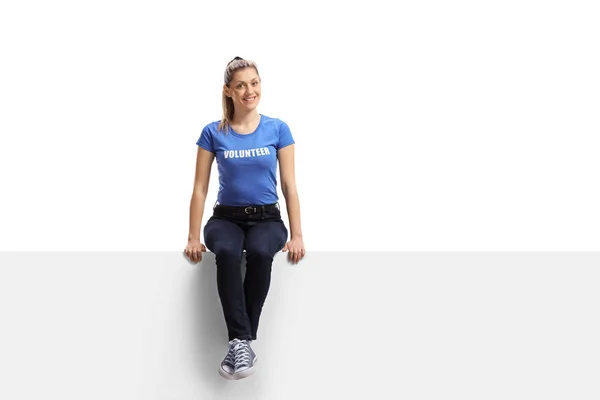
<point x="247" y="163"/>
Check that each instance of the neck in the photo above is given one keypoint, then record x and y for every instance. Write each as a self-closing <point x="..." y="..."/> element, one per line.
<point x="243" y="117"/>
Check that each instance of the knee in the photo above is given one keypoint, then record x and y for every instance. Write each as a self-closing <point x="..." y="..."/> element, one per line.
<point x="227" y="252"/>
<point x="259" y="255"/>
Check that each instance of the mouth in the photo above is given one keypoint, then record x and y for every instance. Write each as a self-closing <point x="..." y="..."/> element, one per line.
<point x="250" y="100"/>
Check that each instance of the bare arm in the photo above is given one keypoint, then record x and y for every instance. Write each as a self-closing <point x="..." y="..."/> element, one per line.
<point x="204" y="160"/>
<point x="292" y="201"/>
<point x="289" y="190"/>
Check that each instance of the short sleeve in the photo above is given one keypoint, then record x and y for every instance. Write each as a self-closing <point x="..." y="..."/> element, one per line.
<point x="206" y="141"/>
<point x="285" y="136"/>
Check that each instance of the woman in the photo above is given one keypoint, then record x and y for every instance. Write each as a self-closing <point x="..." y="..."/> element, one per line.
<point x="247" y="146"/>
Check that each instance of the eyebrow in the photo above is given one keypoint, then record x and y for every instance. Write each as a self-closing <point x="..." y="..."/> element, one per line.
<point x="253" y="79"/>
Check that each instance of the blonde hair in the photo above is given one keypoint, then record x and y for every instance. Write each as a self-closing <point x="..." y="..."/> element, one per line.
<point x="233" y="65"/>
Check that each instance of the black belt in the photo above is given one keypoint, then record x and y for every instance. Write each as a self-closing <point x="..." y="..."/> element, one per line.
<point x="253" y="209"/>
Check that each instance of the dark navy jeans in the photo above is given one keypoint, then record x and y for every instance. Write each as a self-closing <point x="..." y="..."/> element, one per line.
<point x="260" y="231"/>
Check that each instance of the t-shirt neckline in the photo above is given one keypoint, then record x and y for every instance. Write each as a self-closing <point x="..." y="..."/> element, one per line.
<point x="247" y="134"/>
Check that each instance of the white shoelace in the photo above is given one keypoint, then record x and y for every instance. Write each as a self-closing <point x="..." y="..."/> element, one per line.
<point x="230" y="359"/>
<point x="242" y="353"/>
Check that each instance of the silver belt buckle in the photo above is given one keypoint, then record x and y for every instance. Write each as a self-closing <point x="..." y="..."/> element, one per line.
<point x="246" y="210"/>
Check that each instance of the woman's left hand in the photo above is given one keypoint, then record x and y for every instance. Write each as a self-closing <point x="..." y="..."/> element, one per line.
<point x="296" y="249"/>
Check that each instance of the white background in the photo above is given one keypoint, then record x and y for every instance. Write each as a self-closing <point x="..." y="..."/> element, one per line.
<point x="419" y="126"/>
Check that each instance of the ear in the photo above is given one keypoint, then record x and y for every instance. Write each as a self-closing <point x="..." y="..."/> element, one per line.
<point x="226" y="90"/>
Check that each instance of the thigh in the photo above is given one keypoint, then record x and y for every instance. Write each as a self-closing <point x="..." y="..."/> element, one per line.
<point x="221" y="234"/>
<point x="268" y="236"/>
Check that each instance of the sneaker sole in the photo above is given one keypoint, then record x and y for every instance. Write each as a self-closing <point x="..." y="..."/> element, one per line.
<point x="225" y="374"/>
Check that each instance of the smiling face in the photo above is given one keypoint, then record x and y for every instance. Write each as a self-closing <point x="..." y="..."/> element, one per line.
<point x="244" y="89"/>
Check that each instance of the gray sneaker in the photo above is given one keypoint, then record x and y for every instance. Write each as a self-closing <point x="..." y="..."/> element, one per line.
<point x="244" y="359"/>
<point x="227" y="366"/>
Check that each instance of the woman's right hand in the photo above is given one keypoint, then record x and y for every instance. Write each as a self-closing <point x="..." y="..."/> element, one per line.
<point x="194" y="250"/>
